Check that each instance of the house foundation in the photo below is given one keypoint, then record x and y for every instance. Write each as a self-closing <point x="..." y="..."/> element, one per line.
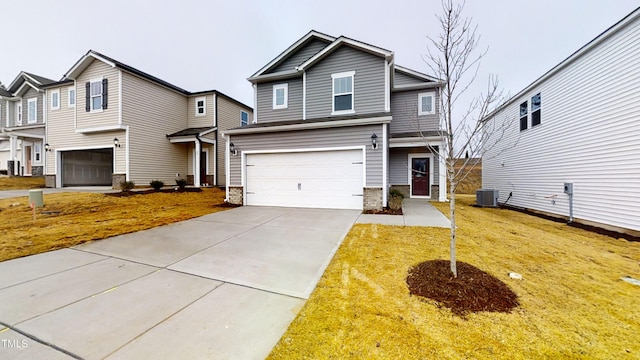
<point x="235" y="195"/>
<point x="372" y="198"/>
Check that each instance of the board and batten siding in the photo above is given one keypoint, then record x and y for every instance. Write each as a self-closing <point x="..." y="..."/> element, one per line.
<point x="61" y="136"/>
<point x="399" y="165"/>
<point x="266" y="112"/>
<point x="312" y="139"/>
<point x="151" y="112"/>
<point x="588" y="136"/>
<point x="369" y="84"/>
<point x="404" y="109"/>
<point x="228" y="118"/>
<point x="200" y="121"/>
<point x="97" y="70"/>
<point x="300" y="56"/>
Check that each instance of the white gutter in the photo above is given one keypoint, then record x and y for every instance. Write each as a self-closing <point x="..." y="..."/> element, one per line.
<point x="311" y="125"/>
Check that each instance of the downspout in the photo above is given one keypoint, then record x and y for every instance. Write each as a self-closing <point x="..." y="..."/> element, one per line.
<point x="215" y="147"/>
<point x="227" y="161"/>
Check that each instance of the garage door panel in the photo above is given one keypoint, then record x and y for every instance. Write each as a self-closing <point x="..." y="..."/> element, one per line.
<point x="87" y="167"/>
<point x="329" y="179"/>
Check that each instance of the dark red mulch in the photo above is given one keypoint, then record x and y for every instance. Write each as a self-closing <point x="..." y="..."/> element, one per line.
<point x="384" y="211"/>
<point x="472" y="291"/>
<point x="151" y="191"/>
<point x="227" y="205"/>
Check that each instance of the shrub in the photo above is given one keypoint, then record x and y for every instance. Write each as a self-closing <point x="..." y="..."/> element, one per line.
<point x="396" y="193"/>
<point x="182" y="183"/>
<point x="4" y="172"/>
<point x="127" y="185"/>
<point x="395" y="199"/>
<point x="156" y="184"/>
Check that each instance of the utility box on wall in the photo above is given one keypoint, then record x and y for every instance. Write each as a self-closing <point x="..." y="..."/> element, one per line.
<point x="568" y="188"/>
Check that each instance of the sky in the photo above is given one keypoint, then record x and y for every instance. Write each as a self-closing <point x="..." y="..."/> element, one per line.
<point x="204" y="45"/>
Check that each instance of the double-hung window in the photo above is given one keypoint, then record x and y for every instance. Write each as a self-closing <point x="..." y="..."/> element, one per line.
<point x="343" y="96"/>
<point x="32" y="110"/>
<point x="536" y="104"/>
<point x="280" y="96"/>
<point x="524" y="116"/>
<point x="201" y="106"/>
<point x="55" y="99"/>
<point x="96" y="95"/>
<point x="426" y="103"/>
<point x="72" y="97"/>
<point x="244" y="118"/>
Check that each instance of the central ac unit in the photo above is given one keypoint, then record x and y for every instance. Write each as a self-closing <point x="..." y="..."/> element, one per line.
<point x="487" y="197"/>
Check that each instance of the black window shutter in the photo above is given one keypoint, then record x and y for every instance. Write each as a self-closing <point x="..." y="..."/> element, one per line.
<point x="105" y="92"/>
<point x="87" y="97"/>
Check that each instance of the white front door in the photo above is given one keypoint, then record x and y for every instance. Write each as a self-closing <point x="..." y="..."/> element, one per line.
<point x="318" y="179"/>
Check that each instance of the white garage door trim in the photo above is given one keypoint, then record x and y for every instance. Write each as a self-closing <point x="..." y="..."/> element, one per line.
<point x="245" y="155"/>
<point x="58" y="158"/>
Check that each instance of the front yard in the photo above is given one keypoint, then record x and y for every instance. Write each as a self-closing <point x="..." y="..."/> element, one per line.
<point x="572" y="301"/>
<point x="69" y="219"/>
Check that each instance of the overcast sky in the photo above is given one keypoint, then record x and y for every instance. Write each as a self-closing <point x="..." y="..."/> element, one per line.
<point x="204" y="45"/>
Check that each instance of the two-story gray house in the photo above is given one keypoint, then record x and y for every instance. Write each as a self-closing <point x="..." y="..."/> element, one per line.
<point x="336" y="125"/>
<point x="22" y="124"/>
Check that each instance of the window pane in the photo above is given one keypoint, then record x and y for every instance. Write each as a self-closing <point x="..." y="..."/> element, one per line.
<point x="342" y="85"/>
<point x="535" y="102"/>
<point x="96" y="102"/>
<point x="523" y="123"/>
<point x="54" y="100"/>
<point x="96" y="88"/>
<point x="72" y="97"/>
<point x="342" y="102"/>
<point x="244" y="116"/>
<point x="427" y="104"/>
<point x="280" y="96"/>
<point x="523" y="109"/>
<point x="535" y="118"/>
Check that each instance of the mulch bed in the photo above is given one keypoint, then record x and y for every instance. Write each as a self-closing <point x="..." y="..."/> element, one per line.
<point x="384" y="211"/>
<point x="151" y="191"/>
<point x="472" y="291"/>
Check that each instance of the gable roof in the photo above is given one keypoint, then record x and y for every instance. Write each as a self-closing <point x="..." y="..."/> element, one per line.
<point x="613" y="29"/>
<point x="35" y="81"/>
<point x="342" y="40"/>
<point x="415" y="74"/>
<point x="292" y="49"/>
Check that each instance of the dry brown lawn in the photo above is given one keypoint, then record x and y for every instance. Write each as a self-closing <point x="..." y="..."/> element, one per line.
<point x="80" y="217"/>
<point x="16" y="183"/>
<point x="573" y="304"/>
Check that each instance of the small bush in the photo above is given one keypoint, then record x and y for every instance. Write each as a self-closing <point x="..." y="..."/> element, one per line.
<point x="127" y="185"/>
<point x="4" y="172"/>
<point x="396" y="193"/>
<point x="182" y="183"/>
<point x="156" y="184"/>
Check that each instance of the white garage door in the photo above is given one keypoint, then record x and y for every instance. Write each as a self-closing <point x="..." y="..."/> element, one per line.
<point x="319" y="179"/>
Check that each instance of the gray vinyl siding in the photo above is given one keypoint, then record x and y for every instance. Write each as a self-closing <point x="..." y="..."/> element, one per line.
<point x="32" y="93"/>
<point x="3" y="113"/>
<point x="313" y="139"/>
<point x="404" y="109"/>
<point x="400" y="78"/>
<point x="151" y="112"/>
<point x="369" y="89"/>
<point x="300" y="56"/>
<point x="266" y="113"/>
<point x="228" y="118"/>
<point x="399" y="165"/>
<point x="588" y="136"/>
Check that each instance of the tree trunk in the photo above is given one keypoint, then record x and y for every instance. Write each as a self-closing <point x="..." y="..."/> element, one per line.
<point x="452" y="216"/>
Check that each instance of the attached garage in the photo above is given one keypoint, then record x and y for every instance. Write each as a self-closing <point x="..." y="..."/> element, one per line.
<point x="310" y="179"/>
<point x="92" y="167"/>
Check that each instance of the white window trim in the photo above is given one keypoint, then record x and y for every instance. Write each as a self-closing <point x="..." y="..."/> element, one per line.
<point x="433" y="103"/>
<point x="18" y="113"/>
<point x="35" y="115"/>
<point x="55" y="92"/>
<point x="241" y="112"/>
<point x="97" y="80"/>
<point x="204" y="106"/>
<point x="276" y="87"/>
<point x="69" y="97"/>
<point x="333" y="92"/>
<point x="37" y="150"/>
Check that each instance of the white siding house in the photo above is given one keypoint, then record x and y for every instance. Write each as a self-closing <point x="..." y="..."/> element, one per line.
<point x="579" y="123"/>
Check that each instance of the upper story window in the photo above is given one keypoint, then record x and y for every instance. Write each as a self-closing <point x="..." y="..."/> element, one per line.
<point x="55" y="99"/>
<point x="524" y="116"/>
<point x="536" y="104"/>
<point x="244" y="118"/>
<point x="426" y="103"/>
<point x="96" y="95"/>
<point x="343" y="92"/>
<point x="201" y="106"/>
<point x="19" y="113"/>
<point x="280" y="96"/>
<point x="32" y="110"/>
<point x="72" y="97"/>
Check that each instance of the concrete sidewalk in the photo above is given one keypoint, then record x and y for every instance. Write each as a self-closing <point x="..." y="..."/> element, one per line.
<point x="416" y="212"/>
<point x="223" y="286"/>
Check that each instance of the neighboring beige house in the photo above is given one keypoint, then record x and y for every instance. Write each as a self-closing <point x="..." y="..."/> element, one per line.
<point x="113" y="123"/>
<point x="22" y="125"/>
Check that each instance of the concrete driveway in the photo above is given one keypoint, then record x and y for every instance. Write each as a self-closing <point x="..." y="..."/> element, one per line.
<point x="224" y="286"/>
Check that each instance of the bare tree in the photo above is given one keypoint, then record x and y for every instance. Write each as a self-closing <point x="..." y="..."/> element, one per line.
<point x="454" y="58"/>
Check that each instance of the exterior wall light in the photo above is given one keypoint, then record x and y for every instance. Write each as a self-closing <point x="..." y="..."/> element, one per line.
<point x="116" y="142"/>
<point x="47" y="147"/>
<point x="374" y="141"/>
<point x="232" y="149"/>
